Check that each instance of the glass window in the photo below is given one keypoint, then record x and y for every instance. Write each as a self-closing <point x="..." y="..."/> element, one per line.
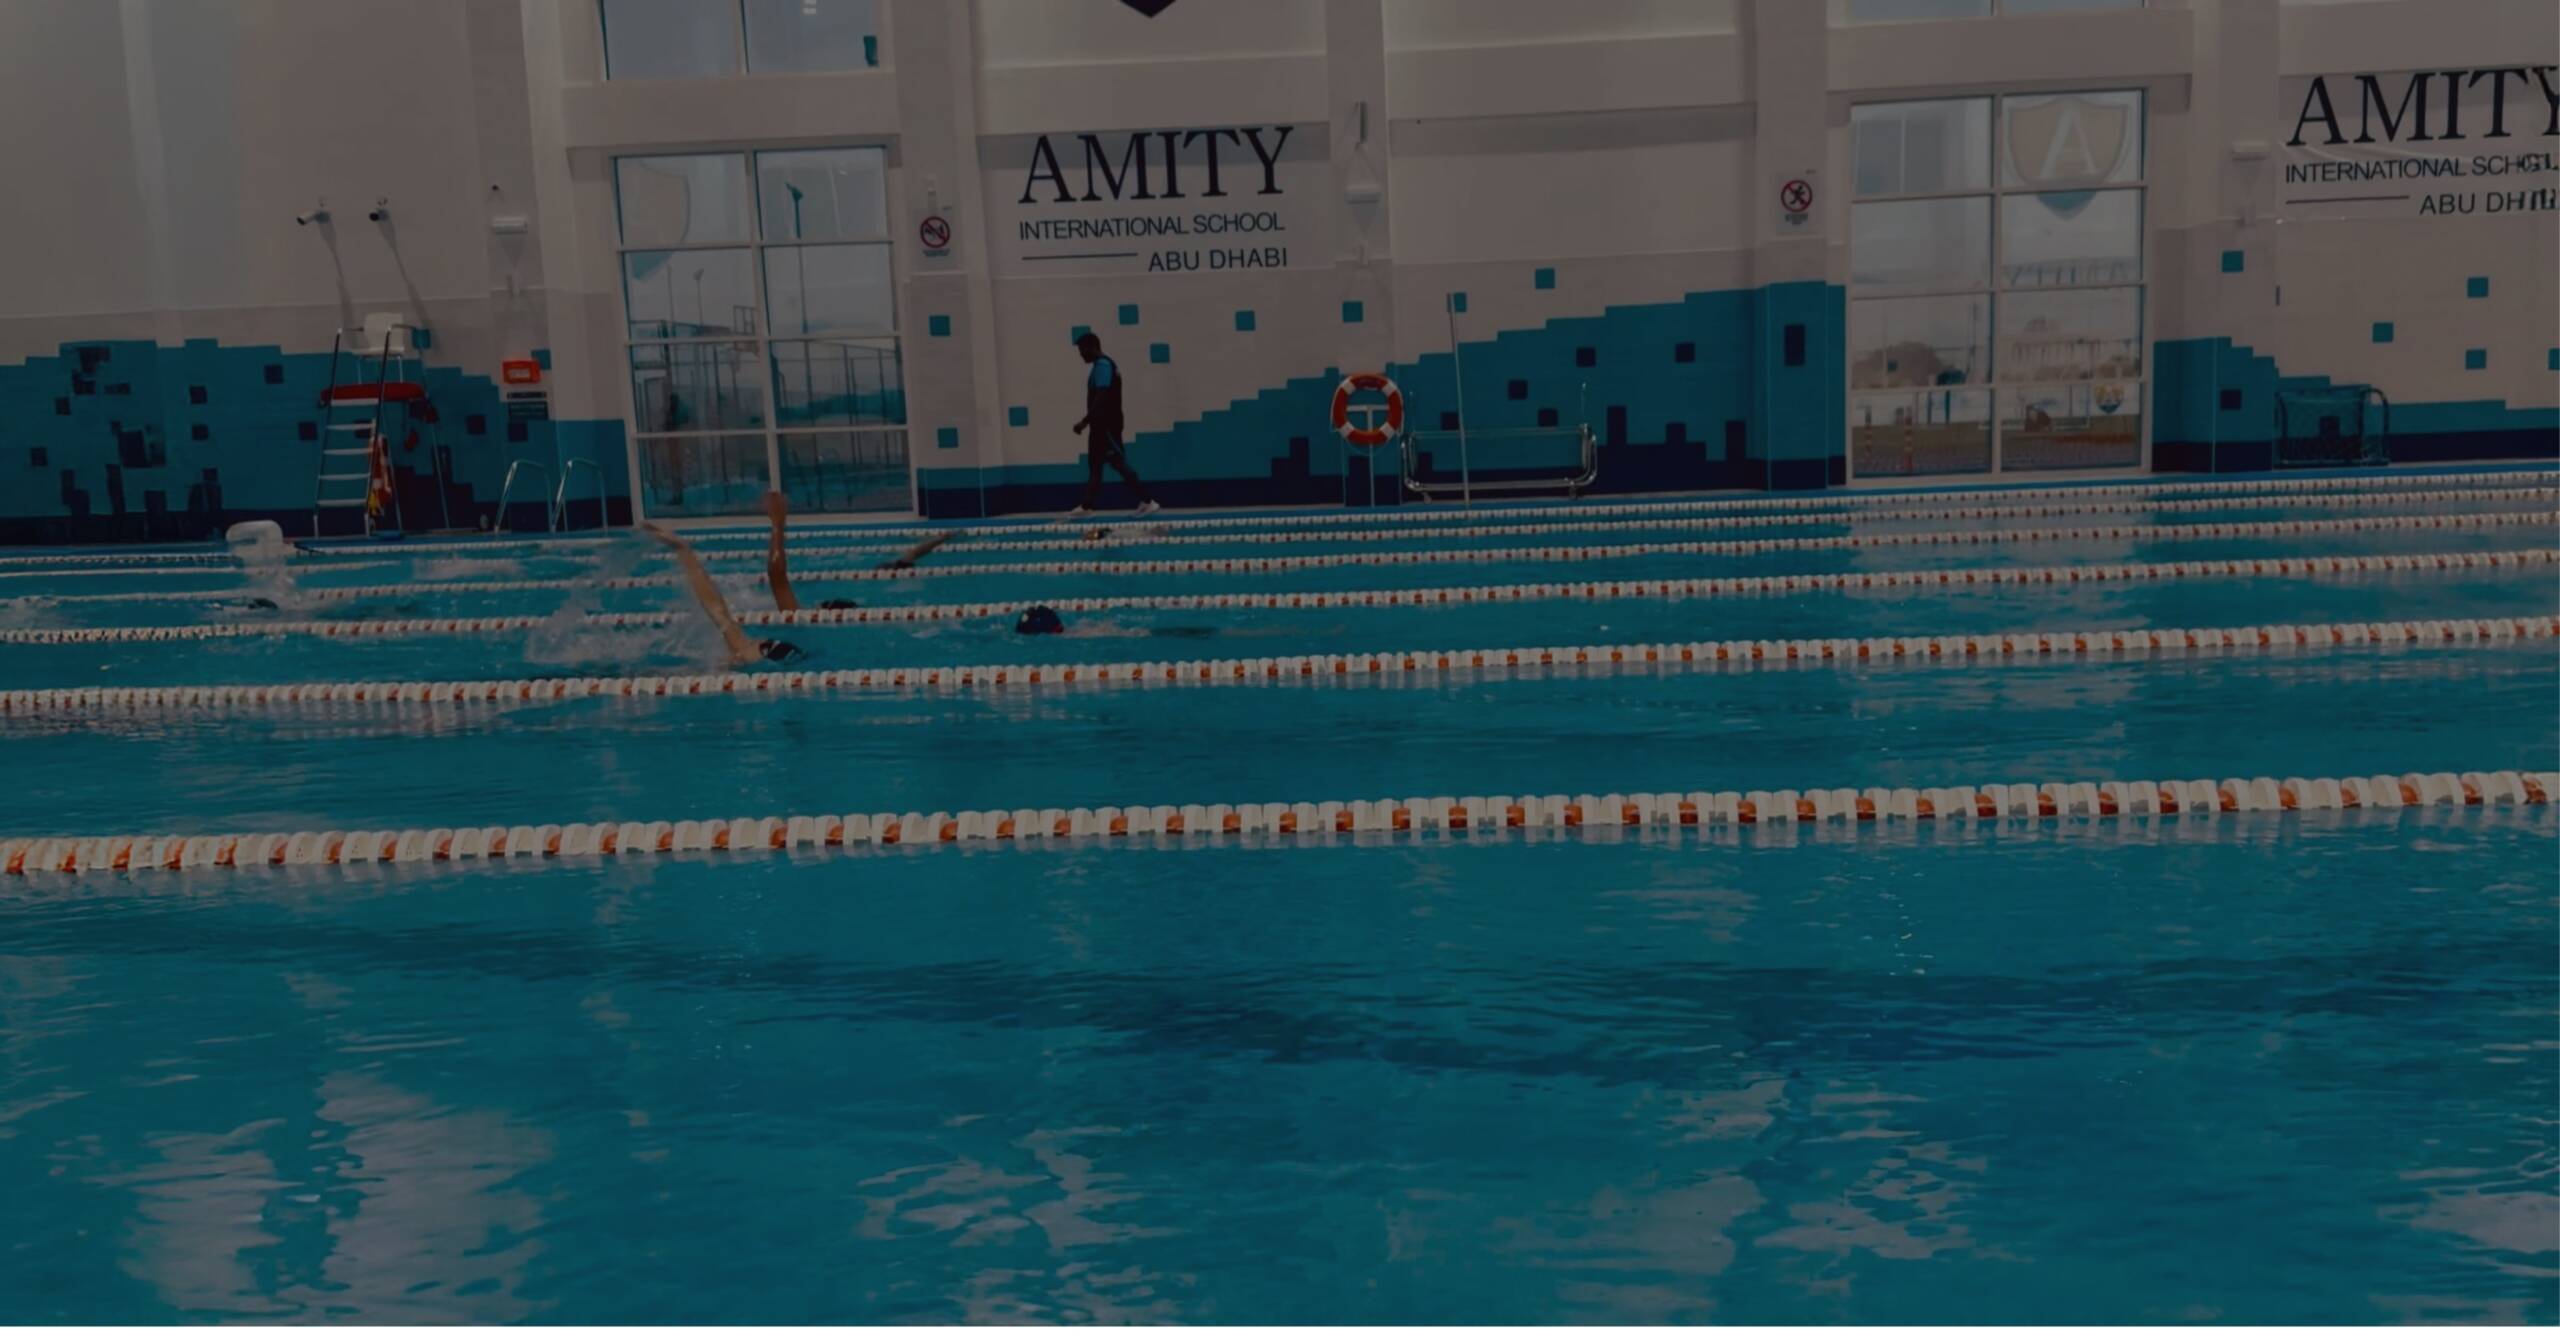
<point x="2064" y="6"/>
<point x="809" y="36"/>
<point x="824" y="195"/>
<point x="695" y="387"/>
<point x="2071" y="335"/>
<point x="2071" y="427"/>
<point x="703" y="477"/>
<point x="683" y="294"/>
<point x="1920" y="244"/>
<point x="839" y="288"/>
<point x="1914" y="342"/>
<point x="839" y="381"/>
<point x="2071" y="139"/>
<point x="1904" y="11"/>
<point x="1922" y="148"/>
<point x="722" y="410"/>
<point x="2070" y="237"/>
<point x="1939" y="432"/>
<point x="678" y="199"/>
<point x="668" y="39"/>
<point x="857" y="471"/>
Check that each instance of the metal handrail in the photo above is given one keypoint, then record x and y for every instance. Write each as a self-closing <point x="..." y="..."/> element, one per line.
<point x="1572" y="484"/>
<point x="550" y="517"/>
<point x="560" y="500"/>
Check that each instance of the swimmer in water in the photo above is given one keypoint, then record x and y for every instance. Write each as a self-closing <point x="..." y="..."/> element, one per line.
<point x="743" y="650"/>
<point x="777" y="564"/>
<point x="1040" y="619"/>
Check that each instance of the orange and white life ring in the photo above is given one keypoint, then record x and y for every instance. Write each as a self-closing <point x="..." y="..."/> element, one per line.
<point x="1373" y="435"/>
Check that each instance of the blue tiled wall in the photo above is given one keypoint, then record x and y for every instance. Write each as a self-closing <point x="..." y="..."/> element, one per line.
<point x="1712" y="420"/>
<point x="141" y="441"/>
<point x="2214" y="408"/>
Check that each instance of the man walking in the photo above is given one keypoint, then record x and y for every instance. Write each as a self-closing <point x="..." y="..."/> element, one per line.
<point x="1101" y="426"/>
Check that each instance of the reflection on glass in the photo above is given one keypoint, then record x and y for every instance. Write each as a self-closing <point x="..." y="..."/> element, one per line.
<point x="672" y="200"/>
<point x="1920" y="244"/>
<point x="703" y="477"/>
<point x="2071" y="139"/>
<point x="1942" y="431"/>
<point x="1921" y="148"/>
<point x="1916" y="342"/>
<point x="823" y="195"/>
<point x="2074" y="335"/>
<point x="691" y="387"/>
<point x="667" y="39"/>
<point x="675" y="295"/>
<point x="841" y="288"/>
<point x="839" y="381"/>
<point x="810" y="36"/>
<point x="863" y="470"/>
<point x="1905" y="11"/>
<point x="2071" y="427"/>
<point x="2070" y="237"/>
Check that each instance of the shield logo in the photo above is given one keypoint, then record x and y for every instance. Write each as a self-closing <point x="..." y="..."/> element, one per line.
<point x="2067" y="138"/>
<point x="1150" y="8"/>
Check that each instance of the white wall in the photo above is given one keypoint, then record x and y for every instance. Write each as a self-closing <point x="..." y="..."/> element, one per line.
<point x="1045" y="32"/>
<point x="179" y="139"/>
<point x="73" y="218"/>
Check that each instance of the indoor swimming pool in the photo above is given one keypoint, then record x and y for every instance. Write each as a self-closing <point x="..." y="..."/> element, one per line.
<point x="2118" y="901"/>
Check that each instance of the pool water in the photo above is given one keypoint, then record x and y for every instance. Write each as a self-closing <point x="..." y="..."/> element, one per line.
<point x="2243" y="1067"/>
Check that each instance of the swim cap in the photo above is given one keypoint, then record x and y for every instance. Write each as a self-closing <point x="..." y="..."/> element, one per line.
<point x="1040" y="619"/>
<point x="775" y="649"/>
<point x="838" y="603"/>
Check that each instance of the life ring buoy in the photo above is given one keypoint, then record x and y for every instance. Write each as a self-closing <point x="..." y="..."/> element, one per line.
<point x="1375" y="435"/>
<point x="377" y="494"/>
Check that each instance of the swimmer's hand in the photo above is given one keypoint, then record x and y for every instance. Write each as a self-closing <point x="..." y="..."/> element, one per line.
<point x="777" y="509"/>
<point x="1078" y="430"/>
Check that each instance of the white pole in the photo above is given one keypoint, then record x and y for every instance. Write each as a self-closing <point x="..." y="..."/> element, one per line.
<point x="1458" y="376"/>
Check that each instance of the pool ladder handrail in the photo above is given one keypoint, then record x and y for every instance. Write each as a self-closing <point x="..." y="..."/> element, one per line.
<point x="1467" y="487"/>
<point x="560" y="498"/>
<point x="550" y="516"/>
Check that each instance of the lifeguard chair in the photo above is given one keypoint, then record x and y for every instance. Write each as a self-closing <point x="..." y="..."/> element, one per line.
<point x="371" y="410"/>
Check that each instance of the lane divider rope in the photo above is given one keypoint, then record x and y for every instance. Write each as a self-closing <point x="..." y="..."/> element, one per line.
<point x="1322" y="669"/>
<point x="1126" y="536"/>
<point x="2402" y="484"/>
<point x="1642" y="812"/>
<point x="2286" y="489"/>
<point x="2303" y="566"/>
<point x="1285" y="563"/>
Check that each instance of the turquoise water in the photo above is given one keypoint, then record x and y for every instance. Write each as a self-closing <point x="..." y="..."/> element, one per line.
<point x="2248" y="1068"/>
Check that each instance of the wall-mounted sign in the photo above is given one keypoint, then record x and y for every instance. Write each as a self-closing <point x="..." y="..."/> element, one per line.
<point x="2402" y="144"/>
<point x="1797" y="192"/>
<point x="1193" y="200"/>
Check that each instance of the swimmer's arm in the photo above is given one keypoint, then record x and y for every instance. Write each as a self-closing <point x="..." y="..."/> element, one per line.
<point x="920" y="549"/>
<point x="777" y="565"/>
<point x="742" y="649"/>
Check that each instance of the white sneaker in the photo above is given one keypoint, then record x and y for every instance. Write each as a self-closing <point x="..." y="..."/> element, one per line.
<point x="1150" y="507"/>
<point x="1079" y="513"/>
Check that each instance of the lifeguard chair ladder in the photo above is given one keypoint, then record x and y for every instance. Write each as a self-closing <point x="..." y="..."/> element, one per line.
<point x="361" y="410"/>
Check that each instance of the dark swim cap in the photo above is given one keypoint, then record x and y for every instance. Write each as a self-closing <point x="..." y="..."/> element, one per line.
<point x="838" y="603"/>
<point x="1039" y="619"/>
<point x="775" y="649"/>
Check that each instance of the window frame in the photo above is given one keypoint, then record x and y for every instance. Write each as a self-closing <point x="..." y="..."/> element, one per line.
<point x="760" y="340"/>
<point x="742" y="58"/>
<point x="1838" y="15"/>
<point x="1997" y="291"/>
